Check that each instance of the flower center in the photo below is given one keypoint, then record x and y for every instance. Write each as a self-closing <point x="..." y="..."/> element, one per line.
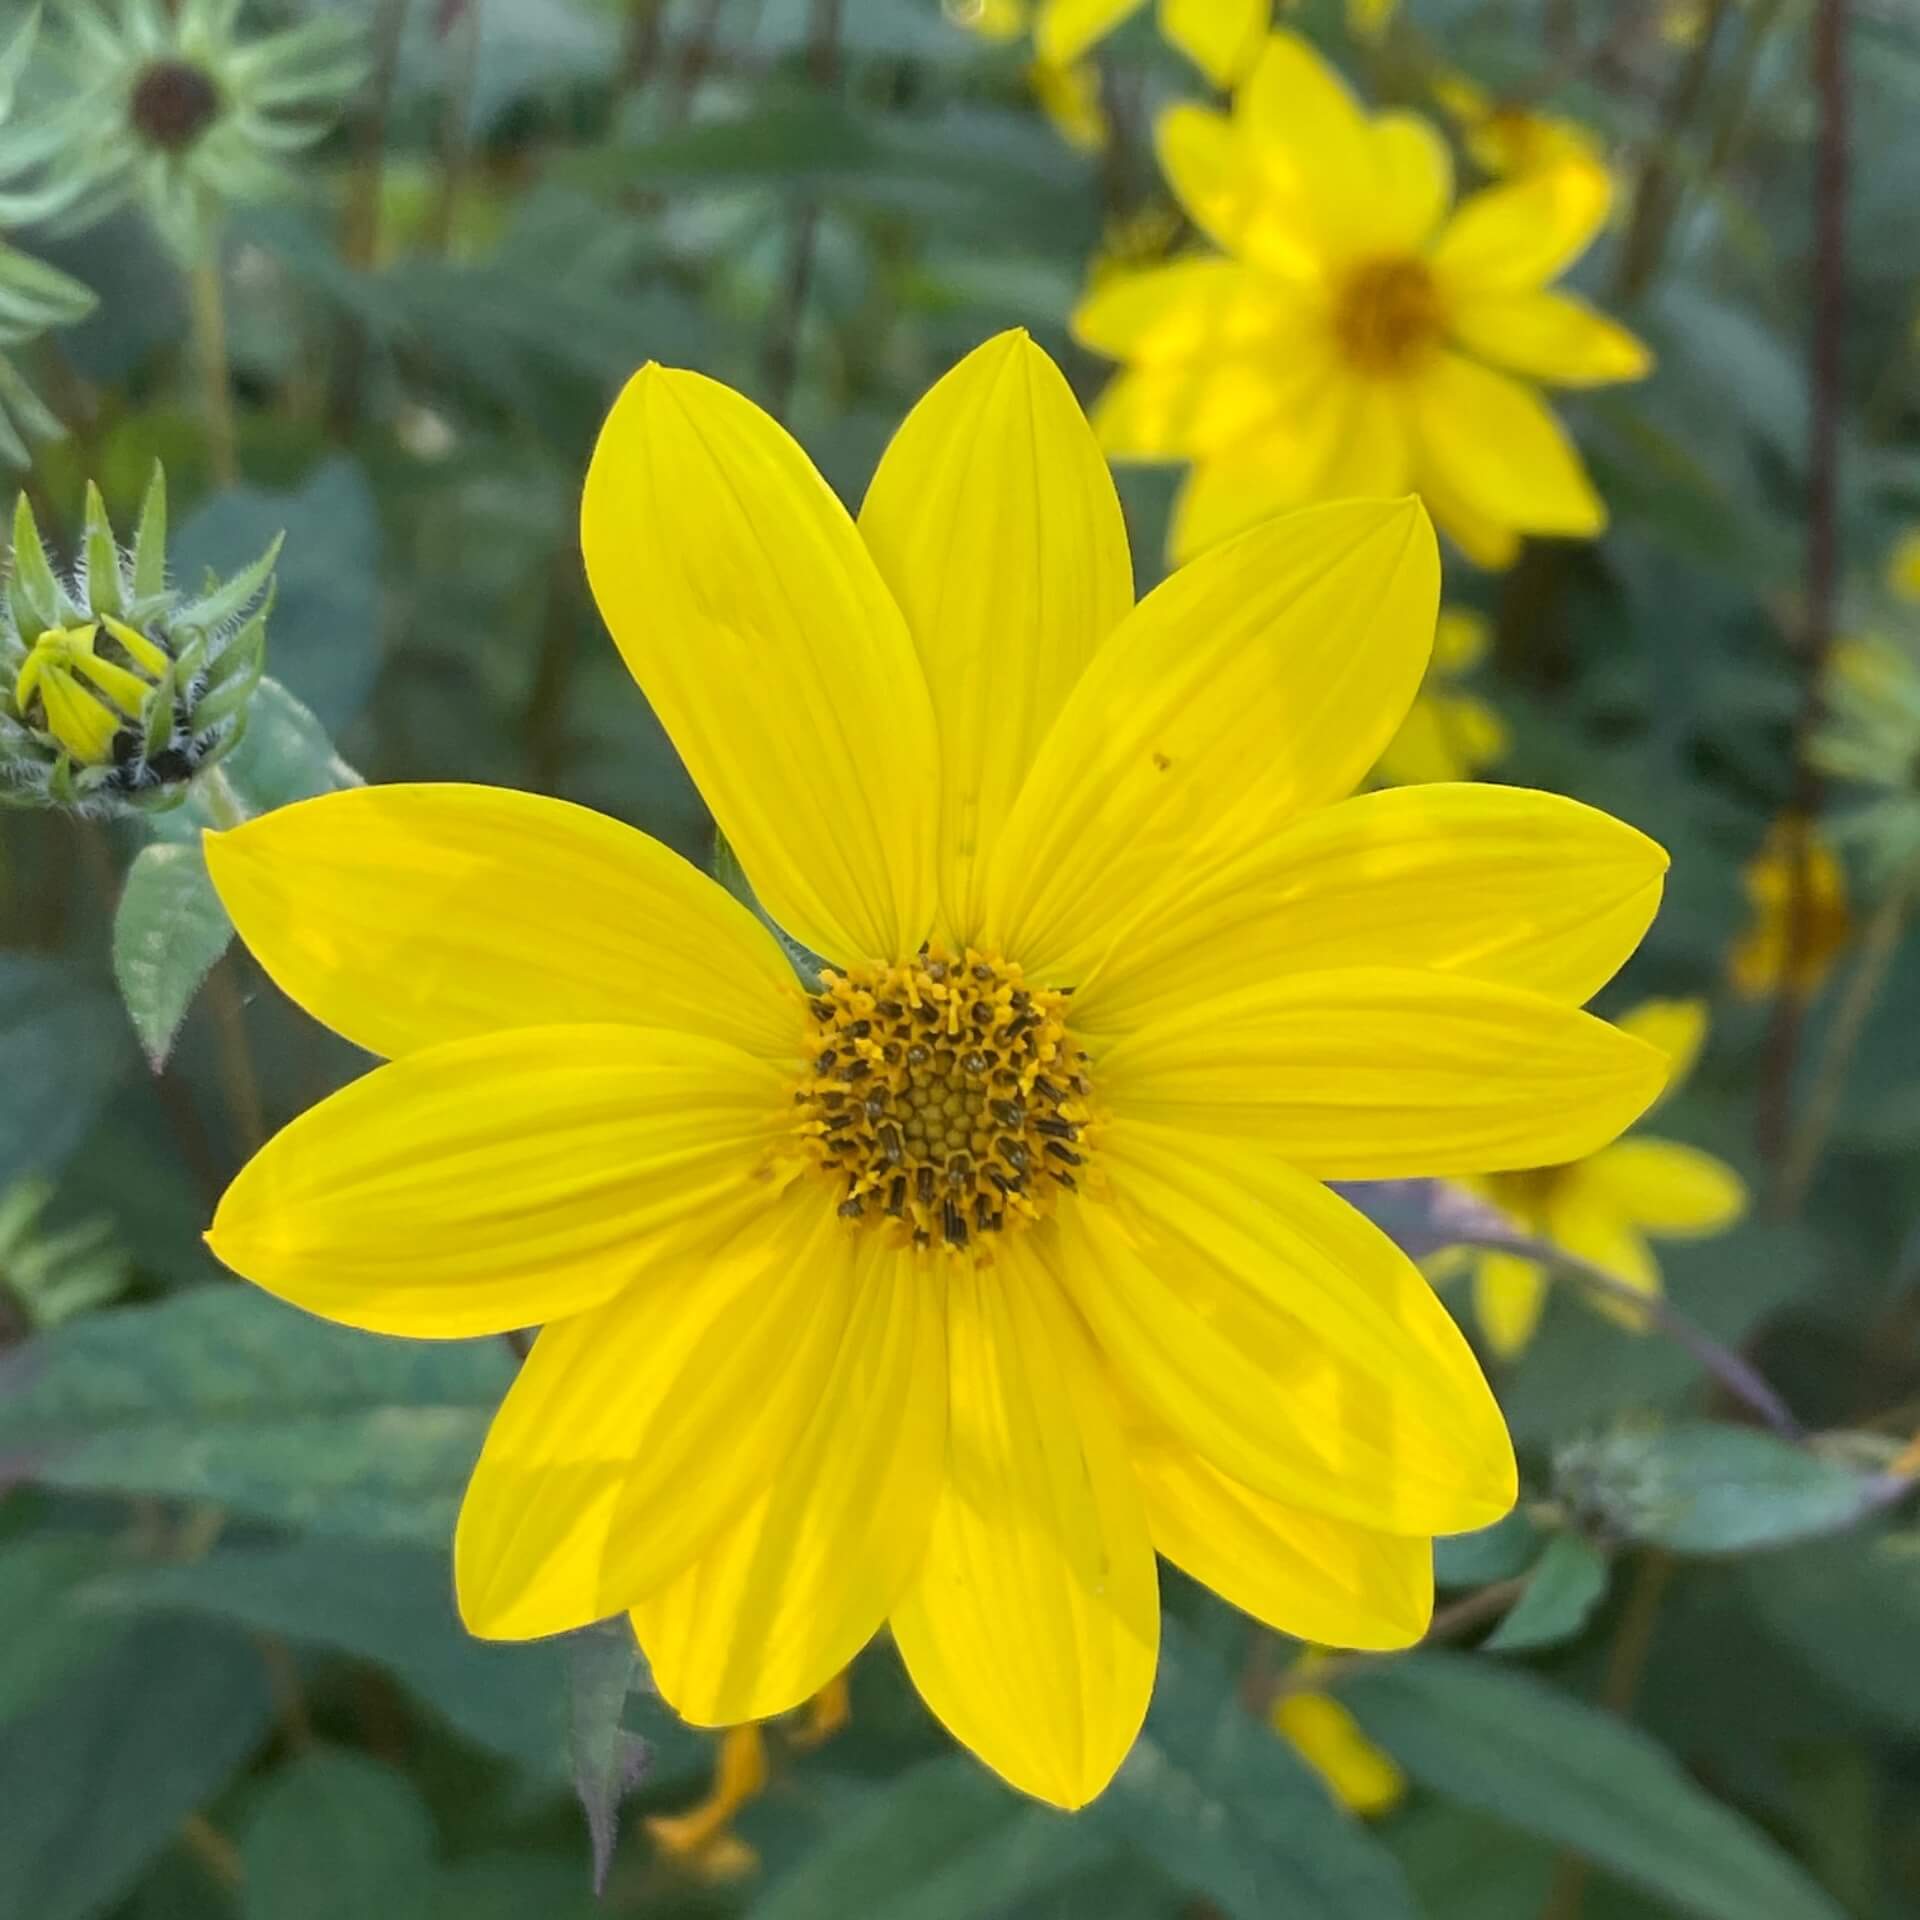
<point x="1387" y="314"/>
<point x="946" y="1098"/>
<point x="173" y="104"/>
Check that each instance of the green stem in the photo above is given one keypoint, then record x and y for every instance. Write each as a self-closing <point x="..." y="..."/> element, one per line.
<point x="208" y="297"/>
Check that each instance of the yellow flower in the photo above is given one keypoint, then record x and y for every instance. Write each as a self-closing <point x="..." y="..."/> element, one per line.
<point x="1447" y="735"/>
<point x="1331" y="1741"/>
<point x="1509" y="139"/>
<point x="1757" y="963"/>
<point x="1359" y="339"/>
<point x="1602" y="1208"/>
<point x="1221" y="37"/>
<point x="1903" y="566"/>
<point x="943" y="1294"/>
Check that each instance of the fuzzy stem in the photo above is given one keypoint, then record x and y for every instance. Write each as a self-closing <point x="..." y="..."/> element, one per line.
<point x="208" y="297"/>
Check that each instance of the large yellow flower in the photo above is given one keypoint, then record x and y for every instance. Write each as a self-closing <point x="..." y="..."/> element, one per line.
<point x="1603" y="1208"/>
<point x="943" y="1294"/>
<point x="1358" y="338"/>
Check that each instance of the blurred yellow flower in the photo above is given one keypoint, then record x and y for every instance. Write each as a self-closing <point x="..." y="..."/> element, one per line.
<point x="1603" y="1208"/>
<point x="1221" y="37"/>
<point x="934" y="1296"/>
<point x="1330" y="1740"/>
<point x="1757" y="962"/>
<point x="1511" y="140"/>
<point x="1070" y="98"/>
<point x="1903" y="566"/>
<point x="1359" y="339"/>
<point x="1447" y="734"/>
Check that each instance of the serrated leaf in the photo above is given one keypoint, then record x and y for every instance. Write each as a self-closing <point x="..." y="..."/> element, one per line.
<point x="224" y="1395"/>
<point x="608" y="1761"/>
<point x="168" y="933"/>
<point x="1491" y="1737"/>
<point x="942" y="1841"/>
<point x="1223" y="1806"/>
<point x="96" y="1778"/>
<point x="1567" y="1582"/>
<point x="337" y="1833"/>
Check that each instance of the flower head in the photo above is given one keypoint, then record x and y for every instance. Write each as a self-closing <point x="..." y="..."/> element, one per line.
<point x="1604" y="1208"/>
<point x="944" y="1292"/>
<point x="1762" y="958"/>
<point x="1357" y="337"/>
<point x="1447" y="734"/>
<point x="116" y="689"/>
<point x="167" y="104"/>
<point x="1508" y="138"/>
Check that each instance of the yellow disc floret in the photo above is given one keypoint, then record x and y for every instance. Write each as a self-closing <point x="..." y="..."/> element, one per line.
<point x="1388" y="314"/>
<point x="946" y="1098"/>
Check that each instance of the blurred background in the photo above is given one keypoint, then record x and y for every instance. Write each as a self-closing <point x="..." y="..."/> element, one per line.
<point x="367" y="274"/>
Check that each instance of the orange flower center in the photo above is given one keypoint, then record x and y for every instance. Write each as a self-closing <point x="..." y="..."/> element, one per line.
<point x="1387" y="314"/>
<point x="947" y="1100"/>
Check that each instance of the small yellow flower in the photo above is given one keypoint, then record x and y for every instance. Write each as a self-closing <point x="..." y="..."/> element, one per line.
<point x="1363" y="1778"/>
<point x="1447" y="734"/>
<point x="1221" y="37"/>
<point x="1757" y="962"/>
<point x="945" y="1293"/>
<point x="1903" y="566"/>
<point x="83" y="700"/>
<point x="1511" y="140"/>
<point x="1604" y="1207"/>
<point x="1358" y="338"/>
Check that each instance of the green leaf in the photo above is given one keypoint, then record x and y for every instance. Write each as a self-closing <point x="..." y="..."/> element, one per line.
<point x="942" y="1841"/>
<point x="287" y="754"/>
<point x="608" y="1762"/>
<point x="1499" y="1552"/>
<point x="222" y="1394"/>
<point x="168" y="932"/>
<point x="1566" y="1584"/>
<point x="1491" y="1737"/>
<point x="43" y="1635"/>
<point x="64" y="1043"/>
<point x="392" y="1605"/>
<point x="335" y="1833"/>
<point x="1702" y="1487"/>
<point x="1223" y="1806"/>
<point x="96" y="1779"/>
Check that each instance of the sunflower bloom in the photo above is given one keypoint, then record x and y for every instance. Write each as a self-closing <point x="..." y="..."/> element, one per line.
<point x="1604" y="1208"/>
<point x="1356" y="337"/>
<point x="1363" y="1778"/>
<point x="1759" y="962"/>
<point x="942" y="1293"/>
<point x="1447" y="734"/>
<point x="1509" y="139"/>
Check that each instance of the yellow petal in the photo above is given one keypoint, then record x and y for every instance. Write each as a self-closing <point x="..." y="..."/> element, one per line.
<point x="1331" y="1741"/>
<point x="1033" y="1626"/>
<point x="1377" y="1073"/>
<point x="1262" y="680"/>
<point x="1234" y="201"/>
<point x="1583" y="1218"/>
<point x="1269" y="1327"/>
<point x="1497" y="883"/>
<point x="1070" y="98"/>
<point x="1677" y="1027"/>
<point x="781" y="1600"/>
<point x="1065" y="29"/>
<point x="1495" y="445"/>
<point x="1667" y="1188"/>
<point x="994" y="521"/>
<point x="1482" y="538"/>
<point x="1460" y="641"/>
<point x="1303" y="1572"/>
<point x="1519" y="235"/>
<point x="635" y="1434"/>
<point x="757" y="624"/>
<point x="1180" y="310"/>
<point x="1191" y="409"/>
<point x="82" y="724"/>
<point x="1221" y="37"/>
<point x="407" y="916"/>
<point x="1509" y="1296"/>
<point x="503" y="1181"/>
<point x="1555" y="337"/>
<point x="1413" y="173"/>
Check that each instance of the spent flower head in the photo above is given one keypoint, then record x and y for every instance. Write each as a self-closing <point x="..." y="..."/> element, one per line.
<point x="170" y="105"/>
<point x="947" y="1292"/>
<point x="1360" y="334"/>
<point x="115" y="689"/>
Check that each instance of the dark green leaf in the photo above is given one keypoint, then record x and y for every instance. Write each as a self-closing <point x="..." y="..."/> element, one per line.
<point x="222" y="1394"/>
<point x="1567" y="1583"/>
<point x="608" y="1761"/>
<point x="64" y="1044"/>
<point x="1499" y="1552"/>
<point x="96" y="1779"/>
<point x="1494" y="1738"/>
<point x="167" y="934"/>
<point x="335" y="1834"/>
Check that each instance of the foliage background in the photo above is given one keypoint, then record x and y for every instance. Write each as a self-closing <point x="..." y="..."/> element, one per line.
<point x="231" y="1682"/>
